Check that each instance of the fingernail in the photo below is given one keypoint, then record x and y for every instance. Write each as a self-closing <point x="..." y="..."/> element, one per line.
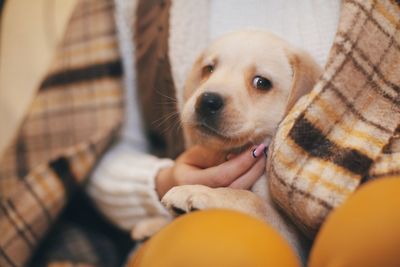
<point x="258" y="150"/>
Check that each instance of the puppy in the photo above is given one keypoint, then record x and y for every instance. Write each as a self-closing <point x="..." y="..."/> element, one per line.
<point x="238" y="91"/>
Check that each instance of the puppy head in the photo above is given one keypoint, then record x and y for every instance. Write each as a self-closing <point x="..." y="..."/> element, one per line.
<point x="241" y="87"/>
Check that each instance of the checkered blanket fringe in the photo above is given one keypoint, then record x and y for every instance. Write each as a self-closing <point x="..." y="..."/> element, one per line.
<point x="74" y="117"/>
<point x="346" y="131"/>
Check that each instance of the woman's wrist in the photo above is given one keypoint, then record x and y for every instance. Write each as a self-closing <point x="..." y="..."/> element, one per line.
<point x="164" y="181"/>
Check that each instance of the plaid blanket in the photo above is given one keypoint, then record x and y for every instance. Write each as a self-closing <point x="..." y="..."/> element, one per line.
<point x="71" y="121"/>
<point x="340" y="136"/>
<point x="344" y="133"/>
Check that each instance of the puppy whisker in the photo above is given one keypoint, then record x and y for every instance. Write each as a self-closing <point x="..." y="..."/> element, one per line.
<point x="174" y="126"/>
<point x="166" y="118"/>
<point x="167" y="103"/>
<point x="166" y="96"/>
<point x="177" y="125"/>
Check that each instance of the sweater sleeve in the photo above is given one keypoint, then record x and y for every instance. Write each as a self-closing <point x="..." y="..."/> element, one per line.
<point x="123" y="186"/>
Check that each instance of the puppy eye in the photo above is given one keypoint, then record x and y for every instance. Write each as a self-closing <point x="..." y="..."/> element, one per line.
<point x="262" y="83"/>
<point x="207" y="70"/>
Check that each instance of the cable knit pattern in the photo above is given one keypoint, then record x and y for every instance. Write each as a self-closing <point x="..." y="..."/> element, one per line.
<point x="123" y="186"/>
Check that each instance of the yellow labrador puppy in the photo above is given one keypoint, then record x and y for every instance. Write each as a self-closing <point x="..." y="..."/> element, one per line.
<point x="238" y="91"/>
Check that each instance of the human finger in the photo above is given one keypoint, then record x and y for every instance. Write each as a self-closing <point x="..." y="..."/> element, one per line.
<point x="202" y="157"/>
<point x="248" y="179"/>
<point x="225" y="173"/>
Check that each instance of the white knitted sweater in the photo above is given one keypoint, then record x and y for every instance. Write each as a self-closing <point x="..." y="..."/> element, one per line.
<point x="123" y="184"/>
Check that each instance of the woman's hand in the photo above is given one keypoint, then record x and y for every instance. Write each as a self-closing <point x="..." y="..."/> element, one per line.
<point x="198" y="165"/>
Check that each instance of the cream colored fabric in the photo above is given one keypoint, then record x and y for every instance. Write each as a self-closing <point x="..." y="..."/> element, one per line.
<point x="30" y="31"/>
<point x="310" y="25"/>
<point x="189" y="35"/>
<point x="133" y="127"/>
<point x="123" y="186"/>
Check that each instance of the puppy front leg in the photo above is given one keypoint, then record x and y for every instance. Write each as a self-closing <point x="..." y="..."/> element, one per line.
<point x="186" y="198"/>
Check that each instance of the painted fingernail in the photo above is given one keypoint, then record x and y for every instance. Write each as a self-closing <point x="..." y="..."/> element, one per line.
<point x="258" y="150"/>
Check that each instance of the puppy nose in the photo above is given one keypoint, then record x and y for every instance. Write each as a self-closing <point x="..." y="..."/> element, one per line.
<point x="209" y="104"/>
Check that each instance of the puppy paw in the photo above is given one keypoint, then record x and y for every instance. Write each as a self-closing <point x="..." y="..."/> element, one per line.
<point x="145" y="229"/>
<point x="183" y="199"/>
<point x="186" y="198"/>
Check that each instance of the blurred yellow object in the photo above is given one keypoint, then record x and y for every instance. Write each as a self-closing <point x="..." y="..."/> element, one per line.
<point x="364" y="232"/>
<point x="217" y="238"/>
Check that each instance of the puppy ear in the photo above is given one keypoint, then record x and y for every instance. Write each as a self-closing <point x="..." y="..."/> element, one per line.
<point x="305" y="74"/>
